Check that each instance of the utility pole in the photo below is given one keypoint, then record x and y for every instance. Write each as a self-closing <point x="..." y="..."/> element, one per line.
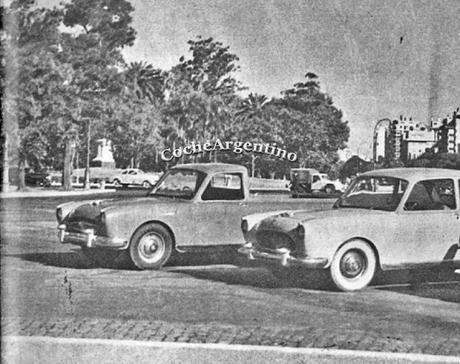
<point x="88" y="140"/>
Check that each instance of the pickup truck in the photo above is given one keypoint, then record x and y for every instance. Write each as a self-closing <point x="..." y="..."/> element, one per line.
<point x="308" y="180"/>
<point x="193" y="207"/>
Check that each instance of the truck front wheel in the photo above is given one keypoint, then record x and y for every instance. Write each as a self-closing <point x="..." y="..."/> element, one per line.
<point x="329" y="189"/>
<point x="151" y="246"/>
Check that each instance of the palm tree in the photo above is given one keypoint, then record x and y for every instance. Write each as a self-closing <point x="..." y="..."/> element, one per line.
<point x="146" y="81"/>
<point x="252" y="106"/>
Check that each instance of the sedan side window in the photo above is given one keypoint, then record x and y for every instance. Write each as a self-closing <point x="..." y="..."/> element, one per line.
<point x="224" y="186"/>
<point x="436" y="194"/>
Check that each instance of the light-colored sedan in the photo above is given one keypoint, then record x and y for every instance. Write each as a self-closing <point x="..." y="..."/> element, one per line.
<point x="135" y="176"/>
<point x="387" y="219"/>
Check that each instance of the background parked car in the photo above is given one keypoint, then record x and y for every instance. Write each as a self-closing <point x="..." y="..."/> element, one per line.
<point x="135" y="176"/>
<point x="38" y="178"/>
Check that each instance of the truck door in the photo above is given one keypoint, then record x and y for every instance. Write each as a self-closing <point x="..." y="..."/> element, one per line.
<point x="217" y="217"/>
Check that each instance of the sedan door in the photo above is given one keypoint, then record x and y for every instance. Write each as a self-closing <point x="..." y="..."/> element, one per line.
<point x="431" y="218"/>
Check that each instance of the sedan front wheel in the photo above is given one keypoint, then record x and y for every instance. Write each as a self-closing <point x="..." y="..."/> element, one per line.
<point x="353" y="266"/>
<point x="151" y="246"/>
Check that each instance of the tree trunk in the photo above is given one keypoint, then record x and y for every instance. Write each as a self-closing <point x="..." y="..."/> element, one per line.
<point x="5" y="164"/>
<point x="21" y="175"/>
<point x="67" y="172"/>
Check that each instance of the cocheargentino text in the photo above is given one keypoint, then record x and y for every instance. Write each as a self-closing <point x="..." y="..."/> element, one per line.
<point x="231" y="146"/>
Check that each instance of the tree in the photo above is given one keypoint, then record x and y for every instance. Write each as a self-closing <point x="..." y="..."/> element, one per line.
<point x="133" y="126"/>
<point x="201" y="91"/>
<point x="146" y="81"/>
<point x="30" y="37"/>
<point x="437" y="160"/>
<point x="100" y="29"/>
<point x="311" y="125"/>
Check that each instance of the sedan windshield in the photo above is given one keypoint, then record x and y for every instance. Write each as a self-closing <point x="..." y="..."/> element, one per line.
<point x="179" y="183"/>
<point x="374" y="193"/>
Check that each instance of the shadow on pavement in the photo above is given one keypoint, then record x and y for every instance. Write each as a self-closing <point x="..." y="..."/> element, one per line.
<point x="438" y="284"/>
<point x="73" y="260"/>
<point x="259" y="277"/>
<point x="442" y="285"/>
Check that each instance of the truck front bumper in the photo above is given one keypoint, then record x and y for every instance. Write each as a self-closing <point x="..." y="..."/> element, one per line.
<point x="86" y="238"/>
<point x="282" y="256"/>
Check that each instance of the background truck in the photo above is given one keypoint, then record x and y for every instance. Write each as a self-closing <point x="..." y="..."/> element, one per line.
<point x="305" y="181"/>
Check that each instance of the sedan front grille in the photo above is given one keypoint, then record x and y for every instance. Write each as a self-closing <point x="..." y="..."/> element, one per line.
<point x="274" y="240"/>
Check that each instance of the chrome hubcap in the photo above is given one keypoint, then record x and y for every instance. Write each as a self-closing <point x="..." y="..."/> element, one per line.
<point x="151" y="247"/>
<point x="353" y="264"/>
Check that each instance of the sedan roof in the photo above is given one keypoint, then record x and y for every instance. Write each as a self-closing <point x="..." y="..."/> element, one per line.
<point x="414" y="173"/>
<point x="213" y="167"/>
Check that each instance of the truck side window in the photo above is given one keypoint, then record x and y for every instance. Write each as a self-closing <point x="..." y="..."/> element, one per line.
<point x="224" y="186"/>
<point x="315" y="179"/>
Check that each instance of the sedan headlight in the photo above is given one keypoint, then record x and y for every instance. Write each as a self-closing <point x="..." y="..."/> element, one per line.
<point x="103" y="218"/>
<point x="301" y="232"/>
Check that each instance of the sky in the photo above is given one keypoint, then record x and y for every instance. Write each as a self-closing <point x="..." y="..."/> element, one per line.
<point x="376" y="59"/>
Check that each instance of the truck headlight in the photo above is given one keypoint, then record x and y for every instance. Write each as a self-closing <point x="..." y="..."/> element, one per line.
<point x="59" y="214"/>
<point x="244" y="226"/>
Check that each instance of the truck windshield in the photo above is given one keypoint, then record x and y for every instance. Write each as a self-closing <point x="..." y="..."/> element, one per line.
<point x="374" y="193"/>
<point x="179" y="183"/>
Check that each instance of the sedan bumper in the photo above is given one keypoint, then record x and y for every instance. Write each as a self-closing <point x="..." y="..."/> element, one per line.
<point x="282" y="256"/>
<point x="87" y="238"/>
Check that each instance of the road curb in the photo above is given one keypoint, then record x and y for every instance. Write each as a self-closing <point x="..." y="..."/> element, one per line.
<point x="41" y="349"/>
<point x="53" y="193"/>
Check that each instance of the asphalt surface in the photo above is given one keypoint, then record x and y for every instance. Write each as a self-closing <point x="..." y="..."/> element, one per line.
<point x="50" y="289"/>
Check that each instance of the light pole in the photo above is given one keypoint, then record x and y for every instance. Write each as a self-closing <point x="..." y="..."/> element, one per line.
<point x="253" y="164"/>
<point x="88" y="139"/>
<point x="375" y="136"/>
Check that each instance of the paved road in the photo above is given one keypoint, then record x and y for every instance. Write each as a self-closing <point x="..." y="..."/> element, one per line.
<point x="49" y="289"/>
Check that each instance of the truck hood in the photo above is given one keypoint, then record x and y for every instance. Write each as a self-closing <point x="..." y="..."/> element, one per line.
<point x="90" y="210"/>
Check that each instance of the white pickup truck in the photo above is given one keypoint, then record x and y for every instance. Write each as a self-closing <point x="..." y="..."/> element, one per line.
<point x="307" y="180"/>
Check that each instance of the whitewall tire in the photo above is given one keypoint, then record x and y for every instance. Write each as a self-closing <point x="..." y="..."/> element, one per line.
<point x="353" y="266"/>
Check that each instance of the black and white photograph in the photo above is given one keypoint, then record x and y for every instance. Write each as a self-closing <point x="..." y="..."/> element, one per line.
<point x="229" y="181"/>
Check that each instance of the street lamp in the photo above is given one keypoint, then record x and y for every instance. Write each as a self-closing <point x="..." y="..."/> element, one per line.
<point x="375" y="142"/>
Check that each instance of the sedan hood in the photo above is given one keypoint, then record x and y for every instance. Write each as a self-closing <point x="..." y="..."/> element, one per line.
<point x="307" y="215"/>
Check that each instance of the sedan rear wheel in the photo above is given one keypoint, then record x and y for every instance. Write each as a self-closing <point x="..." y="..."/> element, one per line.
<point x="353" y="266"/>
<point x="116" y="183"/>
<point x="151" y="246"/>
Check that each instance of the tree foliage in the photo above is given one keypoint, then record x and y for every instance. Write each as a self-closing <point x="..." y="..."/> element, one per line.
<point x="67" y="73"/>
